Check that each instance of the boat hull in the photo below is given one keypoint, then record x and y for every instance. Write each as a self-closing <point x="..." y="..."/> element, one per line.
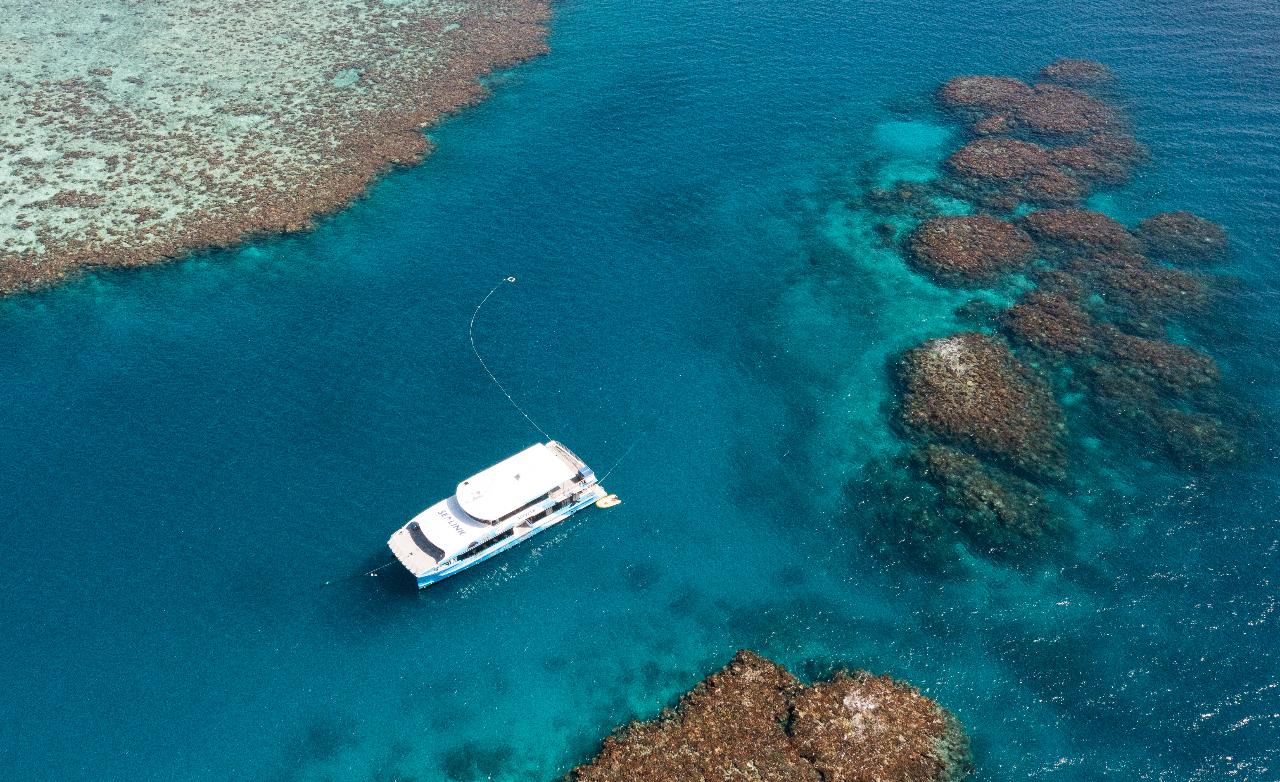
<point x="588" y="498"/>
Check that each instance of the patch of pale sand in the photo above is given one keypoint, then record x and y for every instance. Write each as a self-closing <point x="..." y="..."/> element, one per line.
<point x="131" y="132"/>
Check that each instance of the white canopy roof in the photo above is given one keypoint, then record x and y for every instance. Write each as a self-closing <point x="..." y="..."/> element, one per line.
<point x="514" y="482"/>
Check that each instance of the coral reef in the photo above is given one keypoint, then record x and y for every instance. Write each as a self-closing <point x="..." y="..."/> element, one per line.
<point x="145" y="130"/>
<point x="1052" y="323"/>
<point x="983" y="94"/>
<point x="984" y="427"/>
<point x="1162" y="365"/>
<point x="1139" y="291"/>
<point x="1083" y="74"/>
<point x="1191" y="439"/>
<point x="998" y="511"/>
<point x="970" y="390"/>
<point x="1090" y="163"/>
<point x="1182" y="237"/>
<point x="754" y="720"/>
<point x="1078" y="232"/>
<point x="970" y="248"/>
<point x="1001" y="172"/>
<point x="998" y="159"/>
<point x="1052" y="110"/>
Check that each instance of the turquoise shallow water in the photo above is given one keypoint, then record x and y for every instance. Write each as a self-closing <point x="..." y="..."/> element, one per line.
<point x="191" y="451"/>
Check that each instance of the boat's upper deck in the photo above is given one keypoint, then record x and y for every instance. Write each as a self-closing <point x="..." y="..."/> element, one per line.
<point x="488" y="503"/>
<point x="513" y="483"/>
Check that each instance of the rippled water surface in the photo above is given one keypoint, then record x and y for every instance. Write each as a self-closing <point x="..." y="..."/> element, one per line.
<point x="192" y="451"/>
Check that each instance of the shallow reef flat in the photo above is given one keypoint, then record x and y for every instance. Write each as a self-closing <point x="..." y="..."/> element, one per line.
<point x="754" y="720"/>
<point x="131" y="132"/>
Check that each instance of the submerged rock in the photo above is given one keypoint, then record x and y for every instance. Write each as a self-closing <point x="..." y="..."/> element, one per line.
<point x="1162" y="365"/>
<point x="1078" y="232"/>
<point x="1078" y="73"/>
<point x="1002" y="172"/>
<point x="994" y="509"/>
<point x="1000" y="159"/>
<point x="1182" y="237"/>
<point x="970" y="249"/>
<point x="1189" y="438"/>
<point x="983" y="93"/>
<point x="1052" y="110"/>
<point x="753" y="720"/>
<point x="1051" y="322"/>
<point x="970" y="390"/>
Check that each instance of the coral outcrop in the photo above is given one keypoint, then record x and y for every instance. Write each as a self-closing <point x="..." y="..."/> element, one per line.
<point x="985" y="94"/>
<point x="1182" y="237"/>
<point x="997" y="511"/>
<point x="998" y="159"/>
<point x="1090" y="163"/>
<point x="1190" y="438"/>
<point x="1138" y="290"/>
<point x="1163" y="365"/>
<point x="1052" y="110"/>
<point x="970" y="249"/>
<point x="1001" y="172"/>
<point x="987" y="438"/>
<point x="1052" y="323"/>
<point x="753" y="720"/>
<point x="1084" y="74"/>
<point x="1078" y="232"/>
<point x="970" y="390"/>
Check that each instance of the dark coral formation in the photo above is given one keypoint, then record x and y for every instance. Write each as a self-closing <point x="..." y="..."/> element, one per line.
<point x="1092" y="162"/>
<point x="1139" y="292"/>
<point x="970" y="390"/>
<point x="1190" y="438"/>
<point x="1085" y="74"/>
<point x="997" y="511"/>
<point x="971" y="248"/>
<point x="983" y="94"/>
<point x="754" y="720"/>
<point x="1182" y="237"/>
<point x="1079" y="232"/>
<point x="1051" y="322"/>
<point x="988" y="438"/>
<point x="1162" y="365"/>
<point x="1001" y="160"/>
<point x="1001" y="172"/>
<point x="1052" y="110"/>
<point x="1047" y="144"/>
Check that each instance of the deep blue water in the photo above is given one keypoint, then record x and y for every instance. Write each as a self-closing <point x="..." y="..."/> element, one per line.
<point x="191" y="451"/>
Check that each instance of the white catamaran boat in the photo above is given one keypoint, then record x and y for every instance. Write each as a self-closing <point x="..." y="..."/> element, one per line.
<point x="494" y="510"/>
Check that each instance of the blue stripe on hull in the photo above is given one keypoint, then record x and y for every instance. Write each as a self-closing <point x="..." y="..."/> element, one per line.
<point x="432" y="578"/>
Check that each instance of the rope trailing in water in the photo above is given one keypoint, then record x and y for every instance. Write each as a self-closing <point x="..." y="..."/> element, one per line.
<point x="620" y="458"/>
<point x="471" y="332"/>
<point x="373" y="572"/>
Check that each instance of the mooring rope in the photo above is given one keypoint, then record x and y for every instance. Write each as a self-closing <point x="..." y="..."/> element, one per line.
<point x="373" y="572"/>
<point x="620" y="458"/>
<point x="471" y="332"/>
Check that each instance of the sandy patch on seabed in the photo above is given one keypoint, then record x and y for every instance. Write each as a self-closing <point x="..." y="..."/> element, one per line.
<point x="131" y="132"/>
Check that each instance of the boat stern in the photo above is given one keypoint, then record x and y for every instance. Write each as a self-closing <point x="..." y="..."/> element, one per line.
<point x="417" y="558"/>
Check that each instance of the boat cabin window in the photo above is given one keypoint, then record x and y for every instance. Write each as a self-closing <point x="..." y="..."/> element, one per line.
<point x="488" y="543"/>
<point x="420" y="539"/>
